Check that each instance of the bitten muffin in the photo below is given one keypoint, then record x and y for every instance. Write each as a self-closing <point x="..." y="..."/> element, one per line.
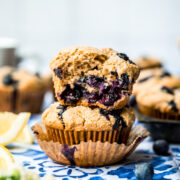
<point x="70" y="125"/>
<point x="20" y="91"/>
<point x="89" y="76"/>
<point x="150" y="78"/>
<point x="148" y="63"/>
<point x="160" y="102"/>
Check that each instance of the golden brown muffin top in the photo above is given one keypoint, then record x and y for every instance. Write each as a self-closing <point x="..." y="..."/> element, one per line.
<point x="148" y="62"/>
<point x="84" y="118"/>
<point x="23" y="80"/>
<point x="76" y="62"/>
<point x="160" y="98"/>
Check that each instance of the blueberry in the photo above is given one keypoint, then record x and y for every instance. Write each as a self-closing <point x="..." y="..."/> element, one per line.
<point x="145" y="79"/>
<point x="71" y="95"/>
<point x="144" y="171"/>
<point x="95" y="67"/>
<point x="167" y="90"/>
<point x="173" y="105"/>
<point x="114" y="73"/>
<point x="161" y="147"/>
<point x="62" y="109"/>
<point x="8" y="80"/>
<point x="94" y="81"/>
<point x="58" y="72"/>
<point x="109" y="99"/>
<point x="117" y="116"/>
<point x="125" y="57"/>
<point x="165" y="74"/>
<point x="132" y="101"/>
<point x="125" y="80"/>
<point x="68" y="152"/>
<point x="91" y="97"/>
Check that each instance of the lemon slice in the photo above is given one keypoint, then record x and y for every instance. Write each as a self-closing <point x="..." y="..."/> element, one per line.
<point x="6" y="158"/>
<point x="25" y="137"/>
<point x="11" y="125"/>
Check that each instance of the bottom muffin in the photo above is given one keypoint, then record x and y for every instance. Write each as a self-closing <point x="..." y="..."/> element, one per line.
<point x="88" y="154"/>
<point x="70" y="125"/>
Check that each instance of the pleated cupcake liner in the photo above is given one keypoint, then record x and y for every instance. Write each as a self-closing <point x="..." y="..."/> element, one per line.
<point x="70" y="137"/>
<point x="158" y="114"/>
<point x="89" y="154"/>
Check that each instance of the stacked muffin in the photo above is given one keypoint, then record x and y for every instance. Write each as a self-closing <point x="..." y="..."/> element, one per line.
<point x="90" y="125"/>
<point x="92" y="87"/>
<point x="157" y="91"/>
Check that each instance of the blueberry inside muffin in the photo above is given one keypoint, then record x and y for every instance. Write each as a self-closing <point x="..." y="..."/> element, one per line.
<point x="92" y="77"/>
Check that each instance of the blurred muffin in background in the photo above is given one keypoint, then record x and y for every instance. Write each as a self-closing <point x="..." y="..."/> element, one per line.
<point x="152" y="78"/>
<point x="20" y="91"/>
<point x="160" y="102"/>
<point x="47" y="78"/>
<point x="148" y="63"/>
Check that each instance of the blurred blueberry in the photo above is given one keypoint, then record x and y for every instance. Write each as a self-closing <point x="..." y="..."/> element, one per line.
<point x="161" y="147"/>
<point x="144" y="171"/>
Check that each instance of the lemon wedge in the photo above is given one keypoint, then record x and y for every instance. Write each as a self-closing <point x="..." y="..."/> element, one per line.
<point x="12" y="125"/>
<point x="6" y="158"/>
<point x="25" y="137"/>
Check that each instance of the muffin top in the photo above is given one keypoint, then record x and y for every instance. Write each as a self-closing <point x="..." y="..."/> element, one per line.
<point x="156" y="77"/>
<point x="96" y="77"/>
<point x="85" y="118"/>
<point x="11" y="77"/>
<point x="148" y="62"/>
<point x="74" y="62"/>
<point x="161" y="98"/>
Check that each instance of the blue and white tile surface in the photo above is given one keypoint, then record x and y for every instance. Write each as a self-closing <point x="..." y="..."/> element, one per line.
<point x="166" y="167"/>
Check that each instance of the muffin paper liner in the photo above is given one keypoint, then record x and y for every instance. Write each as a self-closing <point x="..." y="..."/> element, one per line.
<point x="88" y="153"/>
<point x="70" y="137"/>
<point x="158" y="114"/>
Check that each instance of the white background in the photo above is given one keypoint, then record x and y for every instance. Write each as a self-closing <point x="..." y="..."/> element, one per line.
<point x="136" y="27"/>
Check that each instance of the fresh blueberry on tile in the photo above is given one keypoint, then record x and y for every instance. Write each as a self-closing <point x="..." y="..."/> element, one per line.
<point x="144" y="171"/>
<point x="161" y="147"/>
